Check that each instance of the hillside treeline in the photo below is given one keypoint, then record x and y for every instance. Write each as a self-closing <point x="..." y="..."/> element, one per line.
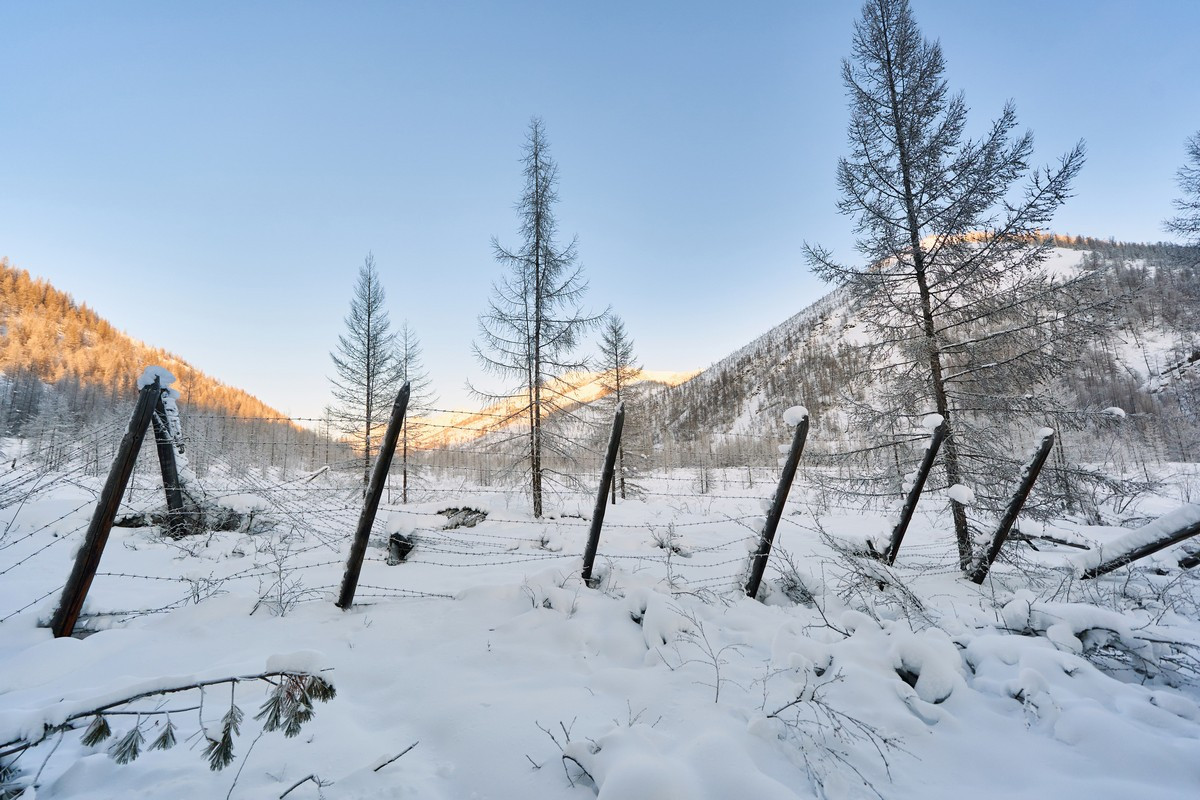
<point x="1148" y="366"/>
<point x="65" y="371"/>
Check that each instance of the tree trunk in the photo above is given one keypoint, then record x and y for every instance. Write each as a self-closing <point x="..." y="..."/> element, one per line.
<point x="929" y="327"/>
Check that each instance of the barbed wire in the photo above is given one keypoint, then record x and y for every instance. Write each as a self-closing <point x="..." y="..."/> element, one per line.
<point x="32" y="603"/>
<point x="300" y="518"/>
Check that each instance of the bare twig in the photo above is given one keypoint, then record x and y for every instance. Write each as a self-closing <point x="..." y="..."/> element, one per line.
<point x="397" y="757"/>
<point x="297" y="784"/>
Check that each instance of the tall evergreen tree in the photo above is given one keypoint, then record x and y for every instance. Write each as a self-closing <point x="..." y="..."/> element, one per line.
<point x="969" y="324"/>
<point x="366" y="369"/>
<point x="1187" y="223"/>
<point x="618" y="370"/>
<point x="534" y="323"/>
<point x="411" y="365"/>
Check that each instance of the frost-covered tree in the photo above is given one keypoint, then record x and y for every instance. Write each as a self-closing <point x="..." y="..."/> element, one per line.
<point x="1187" y="223"/>
<point x="618" y="371"/>
<point x="968" y="322"/>
<point x="409" y="359"/>
<point x="534" y="322"/>
<point x="367" y="373"/>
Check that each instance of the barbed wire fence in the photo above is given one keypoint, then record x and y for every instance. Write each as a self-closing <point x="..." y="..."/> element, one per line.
<point x="294" y="496"/>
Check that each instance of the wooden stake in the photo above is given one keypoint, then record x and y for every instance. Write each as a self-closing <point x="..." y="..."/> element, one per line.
<point x="984" y="562"/>
<point x="1163" y="532"/>
<point x="758" y="561"/>
<point x="914" y="494"/>
<point x="165" y="445"/>
<point x="358" y="548"/>
<point x="606" y="483"/>
<point x="88" y="558"/>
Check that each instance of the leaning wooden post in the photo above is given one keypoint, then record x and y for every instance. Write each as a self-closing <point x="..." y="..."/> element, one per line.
<point x="1169" y="529"/>
<point x="914" y="493"/>
<point x="88" y="557"/>
<point x="606" y="482"/>
<point x="358" y="548"/>
<point x="984" y="561"/>
<point x="165" y="444"/>
<point x="758" y="561"/>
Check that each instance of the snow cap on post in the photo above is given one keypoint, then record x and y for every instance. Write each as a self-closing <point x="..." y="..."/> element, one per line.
<point x="165" y="378"/>
<point x="795" y="415"/>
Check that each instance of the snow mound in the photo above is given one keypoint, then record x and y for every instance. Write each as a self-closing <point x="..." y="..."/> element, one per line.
<point x="795" y="415"/>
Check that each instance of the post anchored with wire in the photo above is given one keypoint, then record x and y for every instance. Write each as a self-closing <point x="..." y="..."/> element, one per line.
<point x="358" y="548"/>
<point x="87" y="560"/>
<point x="984" y="560"/>
<point x="914" y="493"/>
<point x="758" y="561"/>
<point x="165" y="444"/>
<point x="606" y="482"/>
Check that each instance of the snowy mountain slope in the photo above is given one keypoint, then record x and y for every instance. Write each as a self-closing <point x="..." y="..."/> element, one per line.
<point x="811" y="358"/>
<point x="443" y="428"/>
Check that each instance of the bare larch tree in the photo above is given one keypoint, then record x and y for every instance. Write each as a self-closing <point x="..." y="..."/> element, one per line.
<point x="968" y="322"/>
<point x="1186" y="224"/>
<point x="534" y="323"/>
<point x="618" y="371"/>
<point x="366" y="370"/>
<point x="411" y="366"/>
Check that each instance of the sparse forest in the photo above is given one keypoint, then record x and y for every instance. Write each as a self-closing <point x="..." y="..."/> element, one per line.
<point x="936" y="535"/>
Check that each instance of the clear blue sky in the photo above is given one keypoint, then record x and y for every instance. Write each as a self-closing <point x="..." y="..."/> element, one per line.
<point x="209" y="176"/>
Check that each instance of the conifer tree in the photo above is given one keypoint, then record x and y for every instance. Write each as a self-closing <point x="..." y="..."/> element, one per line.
<point x="366" y="369"/>
<point x="968" y="323"/>
<point x="534" y="322"/>
<point x="618" y="370"/>
<point x="409" y="361"/>
<point x="1187" y="223"/>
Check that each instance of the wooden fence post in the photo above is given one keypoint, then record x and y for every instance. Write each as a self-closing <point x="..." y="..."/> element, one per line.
<point x="984" y="561"/>
<point x="758" y="561"/>
<point x="88" y="558"/>
<point x="165" y="445"/>
<point x="1173" y="528"/>
<point x="914" y="493"/>
<point x="606" y="482"/>
<point x="358" y="548"/>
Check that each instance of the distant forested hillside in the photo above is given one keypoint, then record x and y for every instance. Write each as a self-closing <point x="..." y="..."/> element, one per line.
<point x="64" y="369"/>
<point x="45" y="334"/>
<point x="1148" y="366"/>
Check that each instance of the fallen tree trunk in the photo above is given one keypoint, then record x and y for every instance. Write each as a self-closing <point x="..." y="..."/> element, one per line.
<point x="1169" y="529"/>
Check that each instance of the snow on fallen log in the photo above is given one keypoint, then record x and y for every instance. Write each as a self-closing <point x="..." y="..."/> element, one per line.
<point x="1182" y="523"/>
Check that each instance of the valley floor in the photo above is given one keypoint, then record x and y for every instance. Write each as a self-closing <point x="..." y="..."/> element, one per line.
<point x="507" y="677"/>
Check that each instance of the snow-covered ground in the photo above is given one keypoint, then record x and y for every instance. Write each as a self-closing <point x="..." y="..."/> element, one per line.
<point x="509" y="678"/>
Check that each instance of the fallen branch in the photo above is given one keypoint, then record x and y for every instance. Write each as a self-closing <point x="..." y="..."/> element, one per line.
<point x="397" y="757"/>
<point x="297" y="784"/>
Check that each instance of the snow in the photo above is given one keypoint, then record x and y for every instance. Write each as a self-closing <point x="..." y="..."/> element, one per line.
<point x="1114" y="411"/>
<point x="795" y="415"/>
<point x="148" y="376"/>
<point x="1182" y="517"/>
<point x="963" y="495"/>
<point x="664" y="681"/>
<point x="930" y="422"/>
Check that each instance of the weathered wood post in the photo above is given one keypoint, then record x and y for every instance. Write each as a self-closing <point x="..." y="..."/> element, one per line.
<point x="165" y="445"/>
<point x="88" y="557"/>
<point x="606" y="483"/>
<point x="758" y="561"/>
<point x="984" y="561"/>
<point x="1173" y="528"/>
<point x="358" y="548"/>
<point x="914" y="493"/>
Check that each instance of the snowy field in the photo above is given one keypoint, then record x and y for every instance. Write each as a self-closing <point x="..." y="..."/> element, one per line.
<point x="492" y="671"/>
